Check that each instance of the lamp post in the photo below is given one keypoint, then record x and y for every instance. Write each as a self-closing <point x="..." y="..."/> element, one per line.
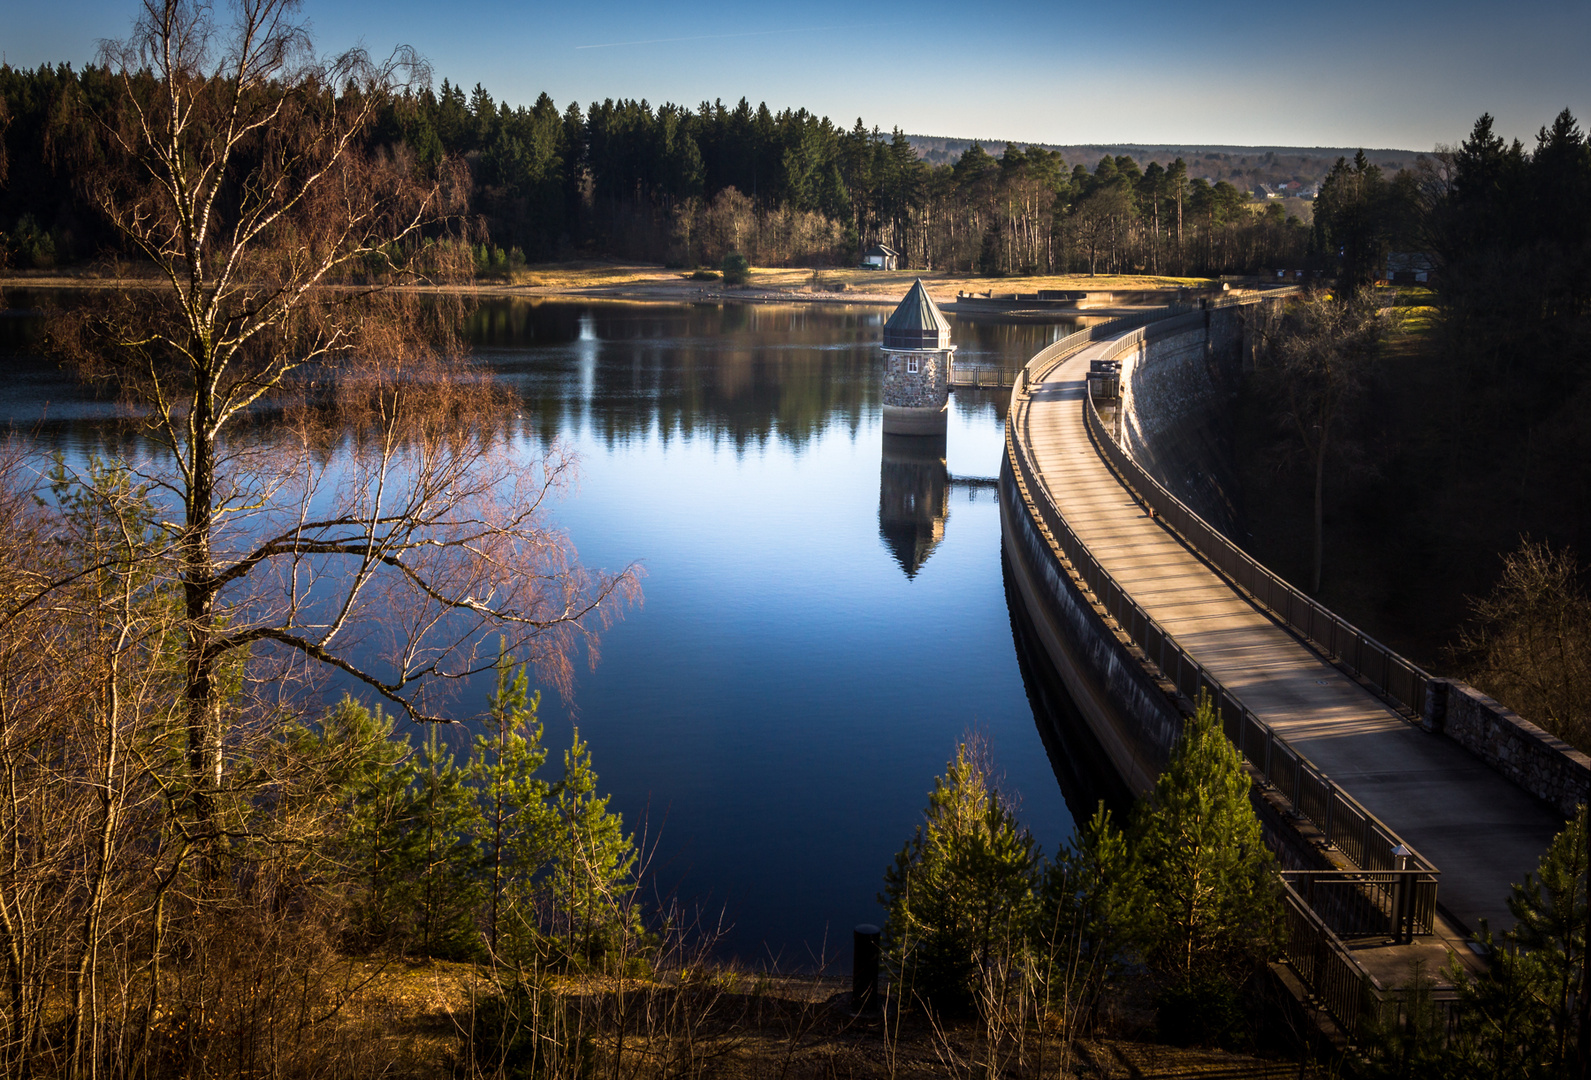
<point x="1402" y="898"/>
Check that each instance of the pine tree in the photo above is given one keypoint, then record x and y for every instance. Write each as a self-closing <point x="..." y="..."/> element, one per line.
<point x="594" y="873"/>
<point x="1550" y="912"/>
<point x="1209" y="897"/>
<point x="447" y="822"/>
<point x="960" y="896"/>
<point x="518" y="824"/>
<point x="1088" y="903"/>
<point x="1519" y="1019"/>
<point x="371" y="774"/>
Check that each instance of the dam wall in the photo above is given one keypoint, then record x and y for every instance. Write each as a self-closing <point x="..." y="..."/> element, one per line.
<point x="1144" y="607"/>
<point x="1177" y="387"/>
<point x="1130" y="706"/>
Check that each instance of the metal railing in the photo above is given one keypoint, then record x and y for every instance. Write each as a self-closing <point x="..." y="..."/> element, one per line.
<point x="1319" y="957"/>
<point x="1383" y="905"/>
<point x="1354" y="997"/>
<point x="1051" y="355"/>
<point x="1357" y="833"/>
<point x="974" y="376"/>
<point x="1390" y="675"/>
<point x="1056" y="351"/>
<point x="1238" y="299"/>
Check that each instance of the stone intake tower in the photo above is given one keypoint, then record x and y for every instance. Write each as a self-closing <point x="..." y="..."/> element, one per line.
<point x="917" y="353"/>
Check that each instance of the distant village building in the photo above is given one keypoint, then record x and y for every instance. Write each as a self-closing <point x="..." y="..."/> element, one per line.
<point x="917" y="353"/>
<point x="1409" y="268"/>
<point x="881" y="257"/>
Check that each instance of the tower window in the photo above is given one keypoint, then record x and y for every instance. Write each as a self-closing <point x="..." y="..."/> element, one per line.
<point x="911" y="365"/>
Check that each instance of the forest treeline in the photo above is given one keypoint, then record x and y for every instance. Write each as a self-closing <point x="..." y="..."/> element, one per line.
<point x="688" y="186"/>
<point x="1450" y="460"/>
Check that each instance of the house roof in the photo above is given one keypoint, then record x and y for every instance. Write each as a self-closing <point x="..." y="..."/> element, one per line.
<point x="917" y="323"/>
<point x="1409" y="260"/>
<point x="882" y="249"/>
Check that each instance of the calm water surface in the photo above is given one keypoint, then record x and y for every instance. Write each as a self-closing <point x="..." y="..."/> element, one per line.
<point x="823" y="618"/>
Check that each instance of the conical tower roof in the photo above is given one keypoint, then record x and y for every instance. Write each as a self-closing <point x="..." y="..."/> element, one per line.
<point x="917" y="323"/>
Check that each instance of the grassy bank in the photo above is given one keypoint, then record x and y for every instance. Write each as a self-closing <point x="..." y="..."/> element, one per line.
<point x="650" y="282"/>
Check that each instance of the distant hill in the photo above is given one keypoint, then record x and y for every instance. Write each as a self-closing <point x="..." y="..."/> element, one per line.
<point x="1242" y="166"/>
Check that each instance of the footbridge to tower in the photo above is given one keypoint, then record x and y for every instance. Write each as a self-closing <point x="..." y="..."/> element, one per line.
<point x="1402" y="806"/>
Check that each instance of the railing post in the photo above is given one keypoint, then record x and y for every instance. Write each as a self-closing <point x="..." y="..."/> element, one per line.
<point x="864" y="968"/>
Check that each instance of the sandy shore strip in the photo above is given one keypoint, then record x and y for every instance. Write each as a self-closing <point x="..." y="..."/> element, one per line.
<point x="640" y="282"/>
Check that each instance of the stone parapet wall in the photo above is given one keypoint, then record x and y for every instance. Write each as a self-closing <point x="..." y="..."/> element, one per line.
<point x="1175" y="387"/>
<point x="1541" y="764"/>
<point x="1164" y="380"/>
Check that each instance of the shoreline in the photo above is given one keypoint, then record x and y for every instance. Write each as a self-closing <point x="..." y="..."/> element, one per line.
<point x="642" y="283"/>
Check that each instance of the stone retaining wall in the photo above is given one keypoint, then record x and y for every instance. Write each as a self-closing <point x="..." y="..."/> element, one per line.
<point x="1176" y="384"/>
<point x="1541" y="764"/>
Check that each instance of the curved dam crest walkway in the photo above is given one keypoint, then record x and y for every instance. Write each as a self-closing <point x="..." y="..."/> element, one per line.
<point x="1481" y="831"/>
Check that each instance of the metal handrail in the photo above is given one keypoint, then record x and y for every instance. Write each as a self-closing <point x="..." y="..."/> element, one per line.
<point x="1345" y="988"/>
<point x="1354" y="997"/>
<point x="1047" y="358"/>
<point x="980" y="376"/>
<point x="1238" y="299"/>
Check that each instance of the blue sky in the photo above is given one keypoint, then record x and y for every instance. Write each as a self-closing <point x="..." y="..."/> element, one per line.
<point x="1398" y="73"/>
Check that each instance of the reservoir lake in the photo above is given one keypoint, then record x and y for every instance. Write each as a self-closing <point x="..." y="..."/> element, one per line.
<point x="823" y="617"/>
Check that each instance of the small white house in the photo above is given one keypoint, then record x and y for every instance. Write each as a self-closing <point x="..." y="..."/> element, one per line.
<point x="880" y="257"/>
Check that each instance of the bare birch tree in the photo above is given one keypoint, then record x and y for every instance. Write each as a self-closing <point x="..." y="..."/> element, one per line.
<point x="384" y="496"/>
<point x="1530" y="644"/>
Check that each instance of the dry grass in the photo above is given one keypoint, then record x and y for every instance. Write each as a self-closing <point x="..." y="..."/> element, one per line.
<point x="635" y="281"/>
<point x="751" y="1027"/>
<point x="591" y="275"/>
<point x="899" y="280"/>
<point x="651" y="282"/>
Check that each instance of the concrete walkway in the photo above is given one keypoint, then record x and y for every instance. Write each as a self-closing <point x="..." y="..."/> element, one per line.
<point x="1478" y="829"/>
